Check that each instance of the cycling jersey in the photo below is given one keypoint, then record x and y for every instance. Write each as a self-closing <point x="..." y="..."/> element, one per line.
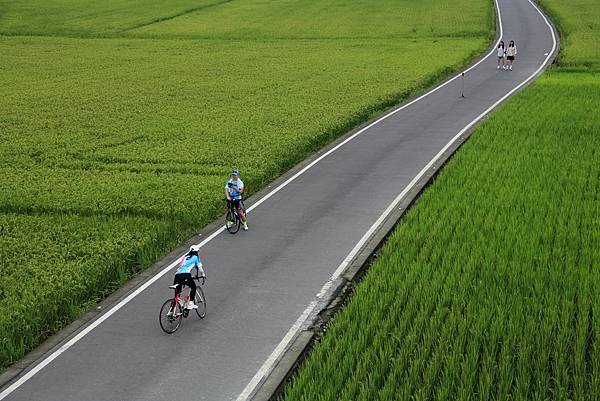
<point x="188" y="263"/>
<point x="237" y="186"/>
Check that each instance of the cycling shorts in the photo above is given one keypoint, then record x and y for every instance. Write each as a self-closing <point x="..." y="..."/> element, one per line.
<point x="237" y="203"/>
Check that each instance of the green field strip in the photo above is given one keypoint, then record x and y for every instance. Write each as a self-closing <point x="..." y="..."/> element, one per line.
<point x="110" y="193"/>
<point x="248" y="20"/>
<point x="308" y="19"/>
<point x="77" y="18"/>
<point x="158" y="167"/>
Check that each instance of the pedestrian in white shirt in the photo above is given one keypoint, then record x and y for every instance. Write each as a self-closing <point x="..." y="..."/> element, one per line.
<point x="511" y="52"/>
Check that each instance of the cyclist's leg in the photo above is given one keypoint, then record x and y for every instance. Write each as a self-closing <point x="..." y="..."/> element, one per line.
<point x="235" y="205"/>
<point x="189" y="281"/>
<point x="241" y="211"/>
<point x="179" y="280"/>
<point x="229" y="222"/>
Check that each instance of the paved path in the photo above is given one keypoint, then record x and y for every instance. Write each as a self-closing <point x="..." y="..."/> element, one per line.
<point x="261" y="281"/>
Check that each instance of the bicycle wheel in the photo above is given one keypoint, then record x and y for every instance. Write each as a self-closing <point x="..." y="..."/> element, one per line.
<point x="232" y="222"/>
<point x="170" y="316"/>
<point x="200" y="302"/>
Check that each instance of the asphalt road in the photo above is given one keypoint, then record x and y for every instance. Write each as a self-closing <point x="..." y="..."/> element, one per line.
<point x="261" y="281"/>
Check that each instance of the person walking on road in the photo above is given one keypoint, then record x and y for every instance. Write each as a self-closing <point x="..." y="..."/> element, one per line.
<point x="234" y="188"/>
<point x="511" y="52"/>
<point x="501" y="52"/>
<point x="183" y="275"/>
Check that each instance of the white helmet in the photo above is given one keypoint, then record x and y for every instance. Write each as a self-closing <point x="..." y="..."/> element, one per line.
<point x="194" y="248"/>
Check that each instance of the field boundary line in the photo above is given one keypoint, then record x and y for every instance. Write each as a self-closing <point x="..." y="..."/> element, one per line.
<point x="287" y="339"/>
<point x="158" y="20"/>
<point x="260" y="377"/>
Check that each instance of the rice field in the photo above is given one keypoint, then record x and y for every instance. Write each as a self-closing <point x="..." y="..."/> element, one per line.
<point x="579" y="22"/>
<point x="488" y="288"/>
<point x="110" y="109"/>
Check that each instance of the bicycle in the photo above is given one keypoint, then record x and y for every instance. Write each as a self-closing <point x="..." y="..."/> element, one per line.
<point x="173" y="311"/>
<point x="233" y="221"/>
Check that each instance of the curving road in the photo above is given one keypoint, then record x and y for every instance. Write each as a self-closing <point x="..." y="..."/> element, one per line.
<point x="263" y="283"/>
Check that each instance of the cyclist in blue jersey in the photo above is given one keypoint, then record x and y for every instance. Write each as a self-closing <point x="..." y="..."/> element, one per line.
<point x="234" y="188"/>
<point x="183" y="275"/>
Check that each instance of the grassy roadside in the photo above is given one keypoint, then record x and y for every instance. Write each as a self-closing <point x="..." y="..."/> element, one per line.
<point x="102" y="124"/>
<point x="488" y="289"/>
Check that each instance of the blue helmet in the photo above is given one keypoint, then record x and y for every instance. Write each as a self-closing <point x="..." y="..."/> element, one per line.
<point x="235" y="172"/>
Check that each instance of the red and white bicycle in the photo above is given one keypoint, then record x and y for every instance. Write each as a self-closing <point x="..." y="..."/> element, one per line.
<point x="173" y="310"/>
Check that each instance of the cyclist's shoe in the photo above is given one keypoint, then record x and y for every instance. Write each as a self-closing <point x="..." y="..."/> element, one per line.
<point x="229" y="224"/>
<point x="191" y="305"/>
<point x="245" y="226"/>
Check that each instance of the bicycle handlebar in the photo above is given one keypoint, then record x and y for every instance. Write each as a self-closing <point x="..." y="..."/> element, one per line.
<point x="197" y="278"/>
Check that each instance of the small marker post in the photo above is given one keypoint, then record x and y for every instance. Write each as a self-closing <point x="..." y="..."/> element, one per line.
<point x="462" y="86"/>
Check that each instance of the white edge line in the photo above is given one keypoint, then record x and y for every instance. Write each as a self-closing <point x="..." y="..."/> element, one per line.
<point x="276" y="355"/>
<point x="292" y="333"/>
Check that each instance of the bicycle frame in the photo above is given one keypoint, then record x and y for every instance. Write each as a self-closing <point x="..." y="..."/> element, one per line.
<point x="177" y="296"/>
<point x="177" y="300"/>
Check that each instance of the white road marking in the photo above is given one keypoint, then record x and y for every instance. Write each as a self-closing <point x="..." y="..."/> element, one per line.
<point x="294" y="330"/>
<point x="293" y="333"/>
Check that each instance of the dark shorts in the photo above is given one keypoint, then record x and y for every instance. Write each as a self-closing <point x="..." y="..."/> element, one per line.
<point x="511" y="58"/>
<point x="237" y="203"/>
<point x="184" y="278"/>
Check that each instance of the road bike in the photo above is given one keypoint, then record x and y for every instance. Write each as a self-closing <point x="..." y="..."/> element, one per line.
<point x="233" y="221"/>
<point x="173" y="310"/>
